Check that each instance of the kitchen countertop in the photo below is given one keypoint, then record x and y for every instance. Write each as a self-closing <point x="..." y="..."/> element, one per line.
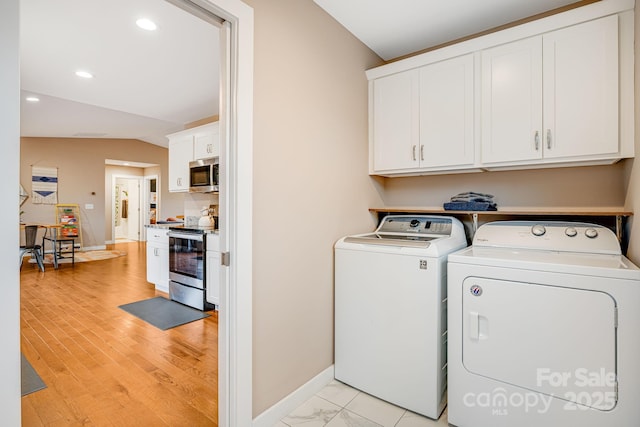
<point x="178" y="225"/>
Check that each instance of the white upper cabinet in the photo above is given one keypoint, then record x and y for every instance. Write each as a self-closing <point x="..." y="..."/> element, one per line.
<point x="180" y="154"/>
<point x="395" y="122"/>
<point x="512" y="101"/>
<point x="185" y="146"/>
<point x="446" y="113"/>
<point x="552" y="97"/>
<point x="423" y="118"/>
<point x="580" y="74"/>
<point x="553" y="92"/>
<point x="206" y="141"/>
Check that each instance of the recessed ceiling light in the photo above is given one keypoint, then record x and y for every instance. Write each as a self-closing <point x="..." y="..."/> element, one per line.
<point x="32" y="98"/>
<point x="146" y="24"/>
<point x="84" y="74"/>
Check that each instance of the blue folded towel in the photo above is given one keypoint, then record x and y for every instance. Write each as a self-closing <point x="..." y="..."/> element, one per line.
<point x="470" y="206"/>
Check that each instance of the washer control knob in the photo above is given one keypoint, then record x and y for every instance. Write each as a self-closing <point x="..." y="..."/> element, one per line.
<point x="538" y="230"/>
<point x="414" y="223"/>
<point x="591" y="233"/>
<point x="571" y="232"/>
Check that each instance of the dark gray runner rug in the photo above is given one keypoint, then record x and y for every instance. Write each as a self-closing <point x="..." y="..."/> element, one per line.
<point x="31" y="381"/>
<point x="163" y="313"/>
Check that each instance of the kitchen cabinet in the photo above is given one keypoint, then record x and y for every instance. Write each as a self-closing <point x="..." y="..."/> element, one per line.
<point x="180" y="154"/>
<point x="206" y="142"/>
<point x="423" y="118"/>
<point x="185" y="146"/>
<point x="158" y="258"/>
<point x="552" y="97"/>
<point x="213" y="266"/>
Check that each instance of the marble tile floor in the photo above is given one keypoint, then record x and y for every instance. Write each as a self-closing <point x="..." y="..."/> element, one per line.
<point x="338" y="405"/>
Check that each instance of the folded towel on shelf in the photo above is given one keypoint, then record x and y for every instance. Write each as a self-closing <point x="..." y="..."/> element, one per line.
<point x="471" y="201"/>
<point x="472" y="196"/>
<point x="470" y="206"/>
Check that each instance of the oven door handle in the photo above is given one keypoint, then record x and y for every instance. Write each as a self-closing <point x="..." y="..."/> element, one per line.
<point x="187" y="236"/>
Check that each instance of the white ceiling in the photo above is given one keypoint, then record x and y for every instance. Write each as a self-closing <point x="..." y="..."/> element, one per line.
<point x="149" y="84"/>
<point x="400" y="27"/>
<point x="146" y="84"/>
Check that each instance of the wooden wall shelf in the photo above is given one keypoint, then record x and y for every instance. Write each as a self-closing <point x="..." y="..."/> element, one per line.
<point x="613" y="218"/>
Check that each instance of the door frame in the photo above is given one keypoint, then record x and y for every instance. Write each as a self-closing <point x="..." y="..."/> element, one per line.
<point x="235" y="334"/>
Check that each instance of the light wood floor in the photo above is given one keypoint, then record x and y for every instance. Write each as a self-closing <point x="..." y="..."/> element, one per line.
<point x="103" y="366"/>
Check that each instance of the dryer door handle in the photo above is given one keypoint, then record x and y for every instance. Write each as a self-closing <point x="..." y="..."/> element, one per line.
<point x="474" y="325"/>
<point x="478" y="326"/>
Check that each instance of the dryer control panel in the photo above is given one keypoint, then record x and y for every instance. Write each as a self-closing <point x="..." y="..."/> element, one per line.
<point x="549" y="236"/>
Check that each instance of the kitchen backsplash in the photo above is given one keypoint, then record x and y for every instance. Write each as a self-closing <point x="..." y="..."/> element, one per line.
<point x="193" y="204"/>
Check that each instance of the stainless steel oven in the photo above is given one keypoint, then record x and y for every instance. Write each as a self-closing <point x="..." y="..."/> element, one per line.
<point x="187" y="274"/>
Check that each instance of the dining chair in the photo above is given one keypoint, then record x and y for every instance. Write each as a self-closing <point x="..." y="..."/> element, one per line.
<point x="30" y="232"/>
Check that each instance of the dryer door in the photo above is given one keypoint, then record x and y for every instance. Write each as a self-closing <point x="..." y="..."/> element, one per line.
<point x="555" y="340"/>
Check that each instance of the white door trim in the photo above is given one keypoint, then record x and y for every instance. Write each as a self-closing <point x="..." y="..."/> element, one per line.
<point x="235" y="386"/>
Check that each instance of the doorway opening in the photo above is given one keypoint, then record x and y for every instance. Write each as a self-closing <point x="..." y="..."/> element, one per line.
<point x="127" y="222"/>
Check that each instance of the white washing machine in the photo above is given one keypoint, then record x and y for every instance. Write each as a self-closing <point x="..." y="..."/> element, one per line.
<point x="544" y="328"/>
<point x="390" y="310"/>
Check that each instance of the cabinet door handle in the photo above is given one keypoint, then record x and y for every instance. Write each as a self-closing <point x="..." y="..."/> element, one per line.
<point x="414" y="153"/>
<point x="536" y="139"/>
<point x="549" y="139"/>
<point x="179" y="181"/>
<point x="422" y="153"/>
<point x="155" y="251"/>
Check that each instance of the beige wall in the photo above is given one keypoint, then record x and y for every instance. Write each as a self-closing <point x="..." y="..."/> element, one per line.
<point x="81" y="172"/>
<point x="310" y="185"/>
<point x="592" y="186"/>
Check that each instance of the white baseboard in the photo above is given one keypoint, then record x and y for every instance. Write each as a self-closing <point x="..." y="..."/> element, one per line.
<point x="287" y="405"/>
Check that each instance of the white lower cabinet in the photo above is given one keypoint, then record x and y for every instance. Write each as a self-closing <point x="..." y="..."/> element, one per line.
<point x="158" y="258"/>
<point x="213" y="272"/>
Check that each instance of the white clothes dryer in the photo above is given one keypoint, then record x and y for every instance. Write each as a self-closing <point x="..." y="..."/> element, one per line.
<point x="390" y="310"/>
<point x="544" y="328"/>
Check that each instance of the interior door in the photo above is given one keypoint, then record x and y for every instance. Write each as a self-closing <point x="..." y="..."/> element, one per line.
<point x="555" y="340"/>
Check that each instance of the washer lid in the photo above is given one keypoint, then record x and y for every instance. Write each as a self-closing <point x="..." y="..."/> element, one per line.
<point x="388" y="239"/>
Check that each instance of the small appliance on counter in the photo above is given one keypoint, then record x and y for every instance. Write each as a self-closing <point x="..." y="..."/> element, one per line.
<point x="209" y="217"/>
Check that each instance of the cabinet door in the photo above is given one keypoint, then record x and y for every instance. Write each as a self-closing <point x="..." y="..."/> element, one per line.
<point x="180" y="154"/>
<point x="446" y="113"/>
<point x="162" y="283"/>
<point x="581" y="89"/>
<point x="206" y="144"/>
<point x="153" y="268"/>
<point x="213" y="277"/>
<point x="395" y="122"/>
<point x="512" y="101"/>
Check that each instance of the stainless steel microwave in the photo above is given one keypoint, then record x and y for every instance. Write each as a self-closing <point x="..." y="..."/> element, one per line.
<point x="203" y="175"/>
